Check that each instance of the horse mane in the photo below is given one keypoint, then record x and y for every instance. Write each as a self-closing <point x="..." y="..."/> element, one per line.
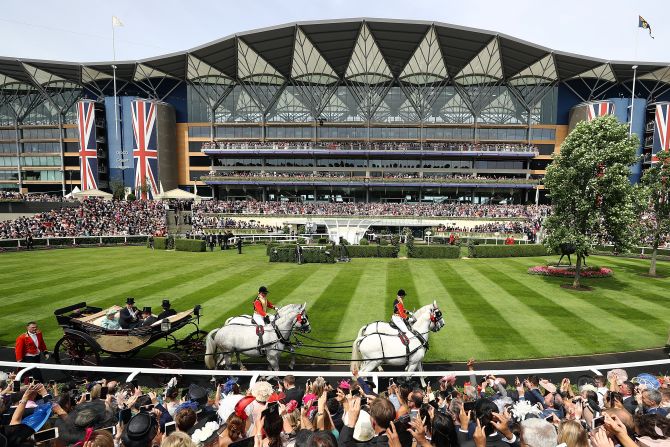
<point x="423" y="309"/>
<point x="288" y="307"/>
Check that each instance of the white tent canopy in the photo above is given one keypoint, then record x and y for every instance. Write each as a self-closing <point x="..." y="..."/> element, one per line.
<point x="178" y="194"/>
<point x="91" y="193"/>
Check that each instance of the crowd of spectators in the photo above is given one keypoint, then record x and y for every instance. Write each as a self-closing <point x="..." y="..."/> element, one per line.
<point x="485" y="411"/>
<point x="509" y="227"/>
<point x="306" y="176"/>
<point x="452" y="209"/>
<point x="377" y="146"/>
<point x="202" y="221"/>
<point x="7" y="196"/>
<point x="93" y="217"/>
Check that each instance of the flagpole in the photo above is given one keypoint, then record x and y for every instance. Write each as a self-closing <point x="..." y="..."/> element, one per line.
<point x="632" y="102"/>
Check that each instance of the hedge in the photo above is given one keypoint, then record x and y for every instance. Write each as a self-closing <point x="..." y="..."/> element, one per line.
<point x="160" y="243"/>
<point x="368" y="251"/>
<point x="309" y="256"/>
<point x="635" y="250"/>
<point x="506" y="251"/>
<point x="435" y="251"/>
<point x="196" y="245"/>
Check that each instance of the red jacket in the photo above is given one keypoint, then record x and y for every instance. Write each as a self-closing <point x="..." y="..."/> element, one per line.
<point x="258" y="307"/>
<point x="26" y="346"/>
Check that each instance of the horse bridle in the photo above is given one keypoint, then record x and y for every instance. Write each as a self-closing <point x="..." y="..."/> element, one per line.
<point x="300" y="318"/>
<point x="435" y="317"/>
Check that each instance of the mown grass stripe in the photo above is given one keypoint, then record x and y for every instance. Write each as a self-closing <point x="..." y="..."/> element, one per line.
<point x="327" y="311"/>
<point x="397" y="278"/>
<point x="458" y="332"/>
<point x="572" y="325"/>
<point x="502" y="338"/>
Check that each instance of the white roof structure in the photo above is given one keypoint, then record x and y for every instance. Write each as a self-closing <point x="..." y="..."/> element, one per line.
<point x="307" y="64"/>
<point x="367" y="64"/>
<point x="426" y="64"/>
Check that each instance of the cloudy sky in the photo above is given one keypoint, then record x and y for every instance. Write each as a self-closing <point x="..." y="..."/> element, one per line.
<point x="78" y="30"/>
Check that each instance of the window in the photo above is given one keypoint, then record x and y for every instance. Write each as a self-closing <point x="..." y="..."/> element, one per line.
<point x="41" y="147"/>
<point x="199" y="132"/>
<point x="40" y="134"/>
<point x="8" y="148"/>
<point x="543" y="134"/>
<point x="43" y="175"/>
<point x="7" y="134"/>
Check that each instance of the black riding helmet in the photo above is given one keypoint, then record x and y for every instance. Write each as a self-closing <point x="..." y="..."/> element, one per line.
<point x="263" y="289"/>
<point x="401" y="292"/>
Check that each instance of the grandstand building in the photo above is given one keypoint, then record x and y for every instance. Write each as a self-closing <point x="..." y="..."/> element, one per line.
<point x="360" y="109"/>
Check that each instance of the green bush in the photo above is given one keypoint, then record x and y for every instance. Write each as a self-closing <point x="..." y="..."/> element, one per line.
<point x="435" y="251"/>
<point x="196" y="245"/>
<point x="322" y="240"/>
<point x="309" y="256"/>
<point x="160" y="243"/>
<point x="369" y="251"/>
<point x="506" y="251"/>
<point x="364" y="242"/>
<point x="383" y="242"/>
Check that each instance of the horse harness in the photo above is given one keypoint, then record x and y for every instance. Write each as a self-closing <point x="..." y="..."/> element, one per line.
<point x="260" y="331"/>
<point x="423" y="342"/>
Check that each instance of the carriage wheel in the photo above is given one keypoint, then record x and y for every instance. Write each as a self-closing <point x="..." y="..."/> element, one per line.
<point x="166" y="360"/>
<point x="194" y="343"/>
<point x="73" y="350"/>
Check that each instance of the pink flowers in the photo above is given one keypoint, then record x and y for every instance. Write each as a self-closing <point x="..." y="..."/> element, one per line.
<point x="569" y="271"/>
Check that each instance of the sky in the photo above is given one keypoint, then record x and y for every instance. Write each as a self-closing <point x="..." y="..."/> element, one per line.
<point x="81" y="31"/>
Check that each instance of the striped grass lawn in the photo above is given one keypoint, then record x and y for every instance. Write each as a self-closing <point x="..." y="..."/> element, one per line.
<point x="492" y="307"/>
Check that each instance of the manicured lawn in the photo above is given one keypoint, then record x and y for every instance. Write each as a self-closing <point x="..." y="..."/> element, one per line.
<point x="493" y="309"/>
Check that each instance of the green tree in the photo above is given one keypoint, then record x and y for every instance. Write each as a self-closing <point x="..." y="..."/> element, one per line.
<point x="656" y="193"/>
<point x="118" y="189"/>
<point x="591" y="196"/>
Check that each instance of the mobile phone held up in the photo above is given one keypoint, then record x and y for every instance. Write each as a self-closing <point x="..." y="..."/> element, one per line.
<point x="45" y="435"/>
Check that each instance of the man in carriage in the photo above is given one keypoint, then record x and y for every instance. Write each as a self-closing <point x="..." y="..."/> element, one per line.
<point x="129" y="316"/>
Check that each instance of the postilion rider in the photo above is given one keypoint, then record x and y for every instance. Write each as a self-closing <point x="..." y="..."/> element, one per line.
<point x="30" y="346"/>
<point x="400" y="318"/>
<point x="261" y="316"/>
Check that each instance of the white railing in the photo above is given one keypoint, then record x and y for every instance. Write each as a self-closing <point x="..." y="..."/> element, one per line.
<point x="71" y="240"/>
<point x="133" y="372"/>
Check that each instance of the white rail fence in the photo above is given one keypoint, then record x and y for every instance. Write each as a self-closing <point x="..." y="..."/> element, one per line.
<point x="133" y="372"/>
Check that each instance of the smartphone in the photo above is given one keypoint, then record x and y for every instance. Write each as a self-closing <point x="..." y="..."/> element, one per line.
<point x="125" y="415"/>
<point x="469" y="406"/>
<point x="87" y="397"/>
<point x="356" y="392"/>
<point x="402" y="423"/>
<point x="413" y="414"/>
<point x="45" y="435"/>
<point x="597" y="422"/>
<point x="391" y="381"/>
<point x="364" y="401"/>
<point x="103" y="392"/>
<point x="111" y="429"/>
<point x="52" y="383"/>
<point x="31" y="380"/>
<point x="170" y="427"/>
<point x="16" y="386"/>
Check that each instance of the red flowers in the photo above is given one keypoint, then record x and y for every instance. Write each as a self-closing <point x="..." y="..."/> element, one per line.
<point x="569" y="271"/>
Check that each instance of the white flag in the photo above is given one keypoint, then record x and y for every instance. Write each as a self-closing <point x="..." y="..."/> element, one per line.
<point x="116" y="22"/>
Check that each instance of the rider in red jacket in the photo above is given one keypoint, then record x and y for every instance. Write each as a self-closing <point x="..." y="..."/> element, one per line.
<point x="400" y="316"/>
<point x="261" y="306"/>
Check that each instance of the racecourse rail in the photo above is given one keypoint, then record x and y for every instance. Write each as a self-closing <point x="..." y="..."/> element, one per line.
<point x="255" y="374"/>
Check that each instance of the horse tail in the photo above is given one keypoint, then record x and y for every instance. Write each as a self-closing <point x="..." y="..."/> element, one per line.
<point x="210" y="351"/>
<point x="355" y="351"/>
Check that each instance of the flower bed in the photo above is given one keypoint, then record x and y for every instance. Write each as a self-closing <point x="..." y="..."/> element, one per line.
<point x="569" y="271"/>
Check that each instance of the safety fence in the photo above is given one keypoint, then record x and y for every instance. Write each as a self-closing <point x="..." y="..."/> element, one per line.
<point x="73" y="241"/>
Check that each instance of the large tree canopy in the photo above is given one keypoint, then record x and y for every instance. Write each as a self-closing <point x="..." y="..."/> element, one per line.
<point x="656" y="216"/>
<point x="591" y="196"/>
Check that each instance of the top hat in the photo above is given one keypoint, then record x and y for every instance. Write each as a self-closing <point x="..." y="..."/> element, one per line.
<point x="166" y="304"/>
<point x="140" y="430"/>
<point x="146" y="310"/>
<point x="263" y="289"/>
<point x="130" y="300"/>
<point x="401" y="292"/>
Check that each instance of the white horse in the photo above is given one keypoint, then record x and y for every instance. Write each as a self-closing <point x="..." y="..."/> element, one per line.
<point x="378" y="343"/>
<point x="238" y="335"/>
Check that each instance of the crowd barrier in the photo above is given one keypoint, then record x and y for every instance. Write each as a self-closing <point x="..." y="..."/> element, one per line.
<point x="74" y="241"/>
<point x="134" y="372"/>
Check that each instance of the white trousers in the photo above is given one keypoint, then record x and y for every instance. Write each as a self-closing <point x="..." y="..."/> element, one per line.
<point x="259" y="320"/>
<point x="399" y="322"/>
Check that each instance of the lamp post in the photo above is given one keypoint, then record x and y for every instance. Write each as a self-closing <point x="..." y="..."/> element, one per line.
<point x="428" y="234"/>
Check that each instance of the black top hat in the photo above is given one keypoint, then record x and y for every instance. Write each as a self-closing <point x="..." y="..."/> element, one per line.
<point x="166" y="304"/>
<point x="141" y="429"/>
<point x="130" y="300"/>
<point x="146" y="310"/>
<point x="263" y="289"/>
<point x="401" y="292"/>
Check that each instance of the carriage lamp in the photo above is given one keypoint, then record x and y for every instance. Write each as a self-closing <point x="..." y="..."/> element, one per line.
<point x="197" y="309"/>
<point x="166" y="325"/>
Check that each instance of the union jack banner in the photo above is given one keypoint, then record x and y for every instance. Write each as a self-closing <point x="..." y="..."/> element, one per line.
<point x="597" y="109"/>
<point x="88" y="148"/>
<point x="661" y="139"/>
<point x="145" y="152"/>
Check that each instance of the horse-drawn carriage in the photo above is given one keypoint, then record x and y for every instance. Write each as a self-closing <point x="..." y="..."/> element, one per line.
<point x="85" y="339"/>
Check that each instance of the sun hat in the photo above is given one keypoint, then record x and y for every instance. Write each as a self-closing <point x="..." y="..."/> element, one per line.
<point x="261" y="391"/>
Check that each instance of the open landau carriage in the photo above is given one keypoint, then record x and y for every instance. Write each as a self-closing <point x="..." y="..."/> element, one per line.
<point x="84" y="338"/>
